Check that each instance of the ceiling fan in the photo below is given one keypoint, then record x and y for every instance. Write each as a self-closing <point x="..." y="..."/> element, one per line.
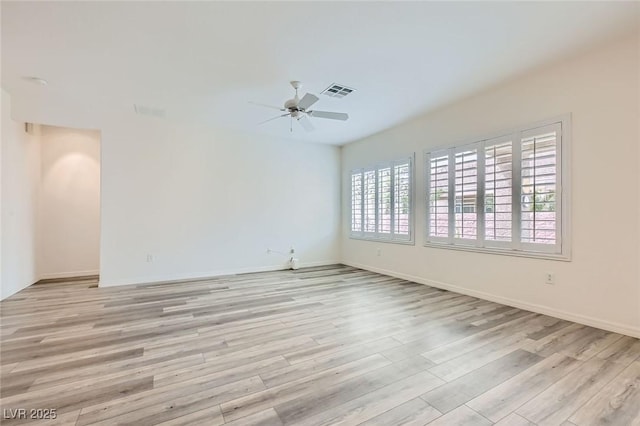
<point x="298" y="109"/>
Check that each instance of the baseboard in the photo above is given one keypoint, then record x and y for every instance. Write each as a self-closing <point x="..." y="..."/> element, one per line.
<point x="67" y="279"/>
<point x="173" y="278"/>
<point x="73" y="274"/>
<point x="581" y="319"/>
<point x="13" y="291"/>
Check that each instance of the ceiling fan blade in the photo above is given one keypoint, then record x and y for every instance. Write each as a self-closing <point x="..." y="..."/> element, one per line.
<point x="330" y="115"/>
<point x="267" y="106"/>
<point x="307" y="100"/>
<point x="306" y="123"/>
<point x="277" y="116"/>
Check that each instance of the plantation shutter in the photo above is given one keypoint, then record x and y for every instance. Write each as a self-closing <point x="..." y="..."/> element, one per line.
<point x="466" y="194"/>
<point x="369" y="201"/>
<point x="402" y="199"/>
<point x="438" y="195"/>
<point x="356" y="202"/>
<point x="498" y="193"/>
<point x="540" y="188"/>
<point x="384" y="200"/>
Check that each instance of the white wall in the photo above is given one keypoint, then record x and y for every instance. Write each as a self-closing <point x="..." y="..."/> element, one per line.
<point x="601" y="285"/>
<point x="69" y="202"/>
<point x="20" y="187"/>
<point x="199" y="201"/>
<point x="206" y="202"/>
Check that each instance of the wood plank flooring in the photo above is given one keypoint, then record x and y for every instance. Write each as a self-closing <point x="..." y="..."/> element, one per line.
<point x="317" y="346"/>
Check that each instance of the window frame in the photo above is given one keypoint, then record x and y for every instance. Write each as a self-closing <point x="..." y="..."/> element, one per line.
<point x="559" y="251"/>
<point x="392" y="236"/>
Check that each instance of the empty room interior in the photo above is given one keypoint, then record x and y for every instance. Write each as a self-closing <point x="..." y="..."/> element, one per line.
<point x="320" y="213"/>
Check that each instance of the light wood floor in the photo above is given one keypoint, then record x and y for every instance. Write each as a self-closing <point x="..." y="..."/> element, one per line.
<point x="315" y="346"/>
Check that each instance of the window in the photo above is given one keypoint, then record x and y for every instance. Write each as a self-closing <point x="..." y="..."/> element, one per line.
<point x="381" y="201"/>
<point x="506" y="193"/>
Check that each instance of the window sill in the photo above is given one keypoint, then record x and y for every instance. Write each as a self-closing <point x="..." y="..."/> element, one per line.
<point x="383" y="240"/>
<point x="502" y="252"/>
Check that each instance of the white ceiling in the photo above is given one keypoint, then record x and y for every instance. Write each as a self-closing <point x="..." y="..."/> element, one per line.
<point x="204" y="61"/>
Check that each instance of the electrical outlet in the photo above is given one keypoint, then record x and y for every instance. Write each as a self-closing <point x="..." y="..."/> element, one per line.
<point x="378" y="252"/>
<point x="550" y="278"/>
<point x="292" y="250"/>
<point x="268" y="251"/>
<point x="149" y="258"/>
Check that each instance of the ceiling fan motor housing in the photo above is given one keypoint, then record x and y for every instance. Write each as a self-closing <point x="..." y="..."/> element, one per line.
<point x="291" y="103"/>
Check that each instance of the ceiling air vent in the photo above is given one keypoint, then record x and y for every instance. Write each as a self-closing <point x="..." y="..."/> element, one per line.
<point x="337" y="91"/>
<point x="145" y="110"/>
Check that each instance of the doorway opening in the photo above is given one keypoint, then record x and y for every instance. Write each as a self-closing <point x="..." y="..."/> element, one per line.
<point x="69" y="203"/>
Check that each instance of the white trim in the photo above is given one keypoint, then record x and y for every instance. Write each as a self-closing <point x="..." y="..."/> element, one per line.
<point x="154" y="279"/>
<point x="506" y="251"/>
<point x="565" y="200"/>
<point x="612" y="326"/>
<point x="73" y="274"/>
<point x="406" y="242"/>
